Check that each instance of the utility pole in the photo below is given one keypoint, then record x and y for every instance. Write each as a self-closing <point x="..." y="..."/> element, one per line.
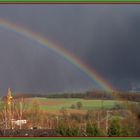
<point x="57" y="121"/>
<point x="107" y="119"/>
<point x="20" y="104"/>
<point x="20" y="112"/>
<point x="98" y="121"/>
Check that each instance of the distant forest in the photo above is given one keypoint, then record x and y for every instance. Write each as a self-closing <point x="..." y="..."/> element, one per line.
<point x="131" y="96"/>
<point x="99" y="95"/>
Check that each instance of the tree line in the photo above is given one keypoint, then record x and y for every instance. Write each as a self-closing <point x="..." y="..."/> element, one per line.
<point x="99" y="95"/>
<point x="95" y="94"/>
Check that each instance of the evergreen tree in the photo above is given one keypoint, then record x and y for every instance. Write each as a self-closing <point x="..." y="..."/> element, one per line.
<point x="114" y="128"/>
<point x="79" y="105"/>
<point x="92" y="129"/>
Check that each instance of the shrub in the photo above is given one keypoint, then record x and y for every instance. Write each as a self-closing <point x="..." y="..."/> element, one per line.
<point x="73" y="106"/>
<point x="79" y="105"/>
<point x="92" y="129"/>
<point x="114" y="128"/>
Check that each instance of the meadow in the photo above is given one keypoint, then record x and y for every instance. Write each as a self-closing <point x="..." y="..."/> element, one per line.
<point x="50" y="104"/>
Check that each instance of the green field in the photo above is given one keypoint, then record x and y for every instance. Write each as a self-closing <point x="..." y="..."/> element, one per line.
<point x="59" y="103"/>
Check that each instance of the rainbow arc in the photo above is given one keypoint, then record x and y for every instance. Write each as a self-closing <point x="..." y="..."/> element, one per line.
<point x="67" y="55"/>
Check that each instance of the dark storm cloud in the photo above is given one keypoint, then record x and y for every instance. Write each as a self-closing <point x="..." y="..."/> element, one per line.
<point x="118" y="50"/>
<point x="106" y="37"/>
<point x="28" y="67"/>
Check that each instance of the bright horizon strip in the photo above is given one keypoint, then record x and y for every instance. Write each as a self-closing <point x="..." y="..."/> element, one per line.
<point x="67" y="55"/>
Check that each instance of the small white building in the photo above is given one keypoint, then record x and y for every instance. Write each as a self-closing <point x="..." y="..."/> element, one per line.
<point x="18" y="122"/>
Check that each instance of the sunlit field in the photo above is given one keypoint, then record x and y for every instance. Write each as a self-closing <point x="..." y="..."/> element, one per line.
<point x="60" y="103"/>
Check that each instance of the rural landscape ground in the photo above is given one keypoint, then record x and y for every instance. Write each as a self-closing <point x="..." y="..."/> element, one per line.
<point x="98" y="114"/>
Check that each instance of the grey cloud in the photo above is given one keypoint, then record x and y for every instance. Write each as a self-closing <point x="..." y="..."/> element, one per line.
<point x="105" y="37"/>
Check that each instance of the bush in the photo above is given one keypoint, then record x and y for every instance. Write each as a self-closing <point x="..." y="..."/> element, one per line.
<point x="114" y="128"/>
<point x="73" y="106"/>
<point x="118" y="106"/>
<point x="92" y="129"/>
<point x="77" y="117"/>
<point x="65" y="130"/>
<point x="79" y="105"/>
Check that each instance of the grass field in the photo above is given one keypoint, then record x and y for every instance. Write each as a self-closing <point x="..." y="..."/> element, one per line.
<point x="59" y="103"/>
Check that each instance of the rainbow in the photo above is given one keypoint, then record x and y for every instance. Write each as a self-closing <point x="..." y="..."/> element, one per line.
<point x="67" y="55"/>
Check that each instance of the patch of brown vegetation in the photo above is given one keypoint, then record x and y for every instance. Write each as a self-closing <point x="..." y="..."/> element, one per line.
<point x="70" y="111"/>
<point x="51" y="103"/>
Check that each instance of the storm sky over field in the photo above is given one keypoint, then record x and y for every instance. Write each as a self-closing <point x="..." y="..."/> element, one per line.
<point x="105" y="37"/>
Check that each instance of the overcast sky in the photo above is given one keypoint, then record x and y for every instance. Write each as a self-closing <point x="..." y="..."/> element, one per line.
<point x="105" y="37"/>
